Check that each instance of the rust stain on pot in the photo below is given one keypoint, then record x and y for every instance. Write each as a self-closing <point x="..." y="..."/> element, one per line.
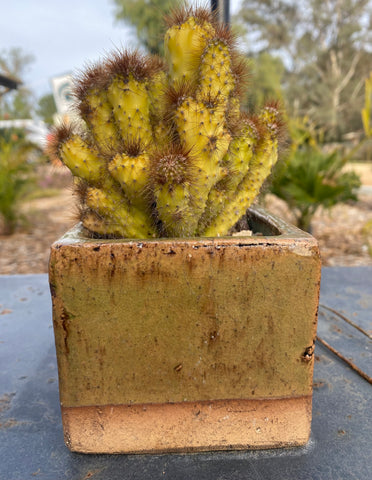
<point x="202" y="320"/>
<point x="52" y="288"/>
<point x="65" y="320"/>
<point x="113" y="264"/>
<point x="307" y="356"/>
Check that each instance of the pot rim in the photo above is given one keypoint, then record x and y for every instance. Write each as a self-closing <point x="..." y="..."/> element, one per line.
<point x="270" y="229"/>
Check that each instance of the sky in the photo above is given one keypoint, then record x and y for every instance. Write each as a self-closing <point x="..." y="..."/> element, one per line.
<point x="62" y="35"/>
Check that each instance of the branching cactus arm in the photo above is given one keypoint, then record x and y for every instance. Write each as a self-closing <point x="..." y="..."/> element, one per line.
<point x="163" y="148"/>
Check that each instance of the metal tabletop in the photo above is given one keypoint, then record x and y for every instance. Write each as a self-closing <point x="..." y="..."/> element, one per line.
<point x="31" y="438"/>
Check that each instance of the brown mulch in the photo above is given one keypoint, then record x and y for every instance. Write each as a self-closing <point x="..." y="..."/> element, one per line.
<point x="27" y="250"/>
<point x="339" y="232"/>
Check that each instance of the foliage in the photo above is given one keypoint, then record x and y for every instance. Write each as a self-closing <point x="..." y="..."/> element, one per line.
<point x="326" y="48"/>
<point x="46" y="108"/>
<point x="309" y="179"/>
<point x="15" y="180"/>
<point x="147" y="18"/>
<point x="266" y="77"/>
<point x="15" y="104"/>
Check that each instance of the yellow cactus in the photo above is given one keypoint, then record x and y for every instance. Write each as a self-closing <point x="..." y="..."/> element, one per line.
<point x="172" y="171"/>
<point x="173" y="206"/>
<point x="263" y="157"/>
<point x="216" y="79"/>
<point x="84" y="161"/>
<point x="201" y="129"/>
<point x="95" y="109"/>
<point x="156" y="90"/>
<point x="236" y="163"/>
<point x="113" y="206"/>
<point x="131" y="106"/>
<point x="167" y="151"/>
<point x="132" y="173"/>
<point x="102" y="226"/>
<point x="184" y="44"/>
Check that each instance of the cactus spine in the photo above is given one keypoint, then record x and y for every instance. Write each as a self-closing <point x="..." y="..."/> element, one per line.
<point x="164" y="149"/>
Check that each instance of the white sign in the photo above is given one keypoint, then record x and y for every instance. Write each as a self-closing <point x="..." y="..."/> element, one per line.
<point x="62" y="92"/>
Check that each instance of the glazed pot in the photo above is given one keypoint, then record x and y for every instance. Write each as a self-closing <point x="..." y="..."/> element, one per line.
<point x="180" y="345"/>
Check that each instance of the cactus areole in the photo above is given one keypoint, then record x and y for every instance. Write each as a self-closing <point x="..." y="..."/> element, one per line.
<point x="162" y="148"/>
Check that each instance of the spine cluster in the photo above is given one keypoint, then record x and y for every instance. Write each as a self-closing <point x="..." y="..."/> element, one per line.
<point x="163" y="148"/>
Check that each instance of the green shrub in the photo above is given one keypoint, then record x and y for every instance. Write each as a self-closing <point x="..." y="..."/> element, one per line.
<point x="309" y="179"/>
<point x="15" y="181"/>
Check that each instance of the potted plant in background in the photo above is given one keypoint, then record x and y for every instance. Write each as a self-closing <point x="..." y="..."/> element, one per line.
<point x="172" y="334"/>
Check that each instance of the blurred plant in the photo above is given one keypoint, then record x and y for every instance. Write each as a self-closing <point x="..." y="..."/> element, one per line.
<point x="367" y="234"/>
<point x="266" y="76"/>
<point x="366" y="117"/>
<point x="147" y="18"/>
<point x="46" y="108"/>
<point x="14" y="63"/>
<point x="309" y="179"/>
<point x="366" y="112"/>
<point x="15" y="180"/>
<point x="326" y="49"/>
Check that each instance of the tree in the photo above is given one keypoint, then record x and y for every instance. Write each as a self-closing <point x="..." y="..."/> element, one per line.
<point x="46" y="108"/>
<point x="326" y="46"/>
<point x="147" y="16"/>
<point x="16" y="104"/>
<point x="309" y="177"/>
<point x="15" y="180"/>
<point x="266" y="76"/>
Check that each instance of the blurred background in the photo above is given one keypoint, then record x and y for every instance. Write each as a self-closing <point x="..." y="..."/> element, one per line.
<point x="313" y="55"/>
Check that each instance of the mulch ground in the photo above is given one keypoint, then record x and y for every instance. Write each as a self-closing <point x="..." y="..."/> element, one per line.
<point x="340" y="232"/>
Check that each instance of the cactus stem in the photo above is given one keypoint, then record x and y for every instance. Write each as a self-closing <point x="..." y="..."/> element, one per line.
<point x="167" y="151"/>
<point x="179" y="15"/>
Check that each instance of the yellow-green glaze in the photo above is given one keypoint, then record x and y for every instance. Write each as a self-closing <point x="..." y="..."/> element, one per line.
<point x="173" y="321"/>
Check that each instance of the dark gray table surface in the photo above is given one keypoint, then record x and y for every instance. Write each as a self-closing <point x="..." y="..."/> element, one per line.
<point x="31" y="439"/>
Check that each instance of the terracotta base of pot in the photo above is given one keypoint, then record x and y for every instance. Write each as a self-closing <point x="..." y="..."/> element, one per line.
<point x="188" y="426"/>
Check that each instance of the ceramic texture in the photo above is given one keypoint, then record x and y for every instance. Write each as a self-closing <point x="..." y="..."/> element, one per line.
<point x="186" y="344"/>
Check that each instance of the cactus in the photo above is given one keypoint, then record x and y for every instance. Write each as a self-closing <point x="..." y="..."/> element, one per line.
<point x="163" y="148"/>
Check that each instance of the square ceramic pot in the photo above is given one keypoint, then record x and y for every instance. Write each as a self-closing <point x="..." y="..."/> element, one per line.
<point x="186" y="344"/>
